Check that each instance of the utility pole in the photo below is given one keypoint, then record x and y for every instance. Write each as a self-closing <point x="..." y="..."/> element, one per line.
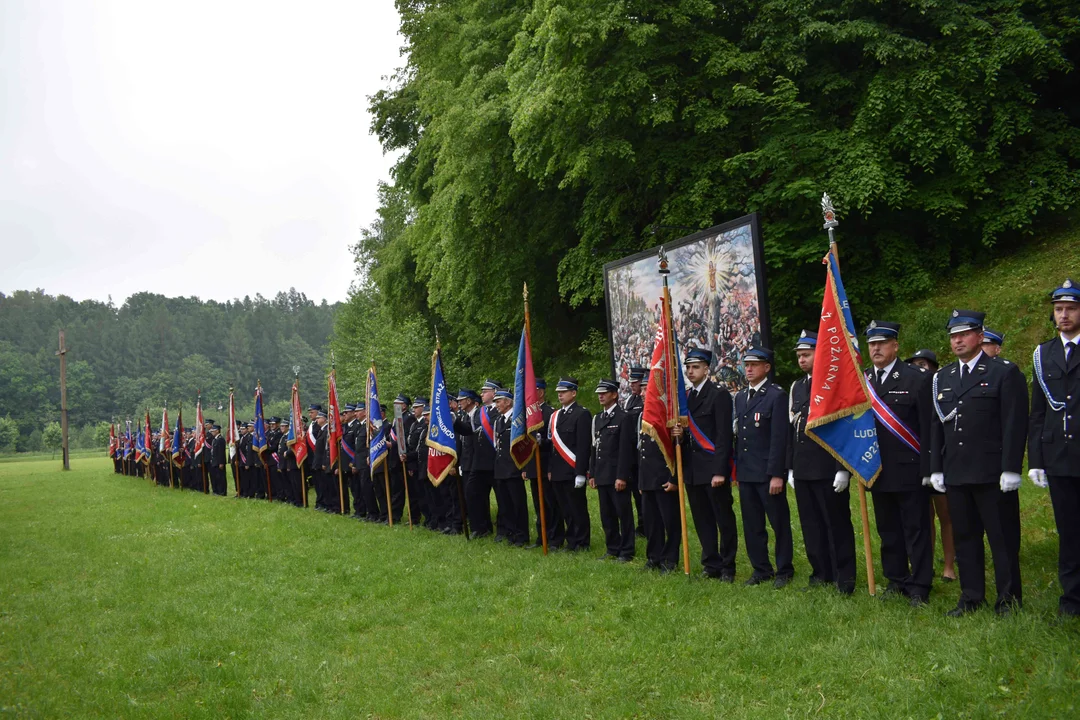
<point x="62" y="352"/>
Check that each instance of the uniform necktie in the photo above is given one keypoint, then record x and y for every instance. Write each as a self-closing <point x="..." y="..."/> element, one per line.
<point x="750" y="394"/>
<point x="693" y="393"/>
<point x="880" y="375"/>
<point x="964" y="372"/>
<point x="1070" y="351"/>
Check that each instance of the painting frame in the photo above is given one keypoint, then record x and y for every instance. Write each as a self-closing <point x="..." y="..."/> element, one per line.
<point x="730" y="233"/>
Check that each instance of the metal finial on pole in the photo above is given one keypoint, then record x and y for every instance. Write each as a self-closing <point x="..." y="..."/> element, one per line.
<point x="662" y="261"/>
<point x="829" y="214"/>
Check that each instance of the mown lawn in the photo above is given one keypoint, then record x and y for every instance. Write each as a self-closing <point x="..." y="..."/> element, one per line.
<point x="119" y="599"/>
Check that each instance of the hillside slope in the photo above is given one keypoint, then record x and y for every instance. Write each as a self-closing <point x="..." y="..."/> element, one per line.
<point x="1013" y="291"/>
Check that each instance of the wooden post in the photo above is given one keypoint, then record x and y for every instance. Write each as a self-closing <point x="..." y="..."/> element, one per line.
<point x="408" y="504"/>
<point x="340" y="486"/>
<point x="62" y="352"/>
<point x="303" y="482"/>
<point x="389" y="502"/>
<point x="868" y="551"/>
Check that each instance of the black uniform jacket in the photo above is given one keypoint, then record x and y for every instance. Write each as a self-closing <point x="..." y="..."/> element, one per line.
<point x="761" y="434"/>
<point x="982" y="426"/>
<point x="541" y="437"/>
<point x="906" y="390"/>
<point x="482" y="454"/>
<point x="652" y="469"/>
<point x="613" y="446"/>
<point x="505" y="467"/>
<point x="634" y="404"/>
<point x="322" y="451"/>
<point x="711" y="410"/>
<point x="806" y="458"/>
<point x="217" y="455"/>
<point x="573" y="424"/>
<point x="466" y="441"/>
<point x="1053" y="443"/>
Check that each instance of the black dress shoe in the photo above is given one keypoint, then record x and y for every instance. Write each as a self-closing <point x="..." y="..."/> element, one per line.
<point x="917" y="602"/>
<point x="607" y="556"/>
<point x="533" y="546"/>
<point x="815" y="581"/>
<point x="476" y="535"/>
<point x="1007" y="609"/>
<point x="962" y="610"/>
<point x="650" y="565"/>
<point x="500" y="538"/>
<point x="756" y="580"/>
<point x="665" y="569"/>
<point x="781" y="582"/>
<point x="624" y="559"/>
<point x="728" y="578"/>
<point x="893" y="591"/>
<point x="845" y="589"/>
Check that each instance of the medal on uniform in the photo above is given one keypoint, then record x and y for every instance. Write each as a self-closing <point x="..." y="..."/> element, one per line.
<point x="757" y="418"/>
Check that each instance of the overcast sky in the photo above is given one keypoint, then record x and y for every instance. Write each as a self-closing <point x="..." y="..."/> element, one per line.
<point x="217" y="149"/>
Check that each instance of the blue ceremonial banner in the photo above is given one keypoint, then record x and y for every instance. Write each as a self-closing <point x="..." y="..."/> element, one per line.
<point x="376" y="426"/>
<point x="840" y="419"/>
<point x="441" y="442"/>
<point x="526" y="406"/>
<point x="258" y="440"/>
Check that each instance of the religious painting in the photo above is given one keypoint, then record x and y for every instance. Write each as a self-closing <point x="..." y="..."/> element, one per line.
<point x="718" y="301"/>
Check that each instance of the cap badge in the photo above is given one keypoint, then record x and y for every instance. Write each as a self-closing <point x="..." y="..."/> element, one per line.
<point x="873" y="324"/>
<point x="1067" y="284"/>
<point x="956" y="313"/>
<point x="803" y="334"/>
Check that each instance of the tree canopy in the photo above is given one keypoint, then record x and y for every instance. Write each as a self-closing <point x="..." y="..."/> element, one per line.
<point x="540" y="139"/>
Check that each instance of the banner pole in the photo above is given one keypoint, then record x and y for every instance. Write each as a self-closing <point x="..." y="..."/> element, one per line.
<point x="539" y="477"/>
<point x="830" y="225"/>
<point x="389" y="504"/>
<point x="672" y="385"/>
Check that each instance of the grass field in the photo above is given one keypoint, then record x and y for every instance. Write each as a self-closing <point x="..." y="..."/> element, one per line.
<point x="120" y="599"/>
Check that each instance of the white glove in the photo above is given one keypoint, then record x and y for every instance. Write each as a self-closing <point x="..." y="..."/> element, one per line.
<point x="926" y="481"/>
<point x="579" y="482"/>
<point x="791" y="479"/>
<point x="1038" y="477"/>
<point x="1010" y="481"/>
<point x="938" y="481"/>
<point x="840" y="482"/>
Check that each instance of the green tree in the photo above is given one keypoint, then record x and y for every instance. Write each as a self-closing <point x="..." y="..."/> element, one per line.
<point x="540" y="139"/>
<point x="52" y="438"/>
<point x="9" y="434"/>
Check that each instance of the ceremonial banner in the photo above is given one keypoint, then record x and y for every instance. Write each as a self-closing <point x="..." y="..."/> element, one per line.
<point x="441" y="443"/>
<point x="178" y="440"/>
<point x="148" y="442"/>
<point x="258" y="438"/>
<point x="113" y="444"/>
<point x="230" y="435"/>
<point x="163" y="444"/>
<point x="129" y="444"/>
<point x="839" y="419"/>
<point x="296" y="439"/>
<point x="140" y="447"/>
<point x="665" y="395"/>
<point x="526" y="417"/>
<point x="333" y="440"/>
<point x="200" y="430"/>
<point x="376" y="425"/>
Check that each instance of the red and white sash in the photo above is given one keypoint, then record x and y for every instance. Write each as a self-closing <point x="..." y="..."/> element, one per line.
<point x="556" y="439"/>
<point x="889" y="419"/>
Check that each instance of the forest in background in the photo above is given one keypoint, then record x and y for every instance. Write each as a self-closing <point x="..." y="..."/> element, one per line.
<point x="149" y="351"/>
